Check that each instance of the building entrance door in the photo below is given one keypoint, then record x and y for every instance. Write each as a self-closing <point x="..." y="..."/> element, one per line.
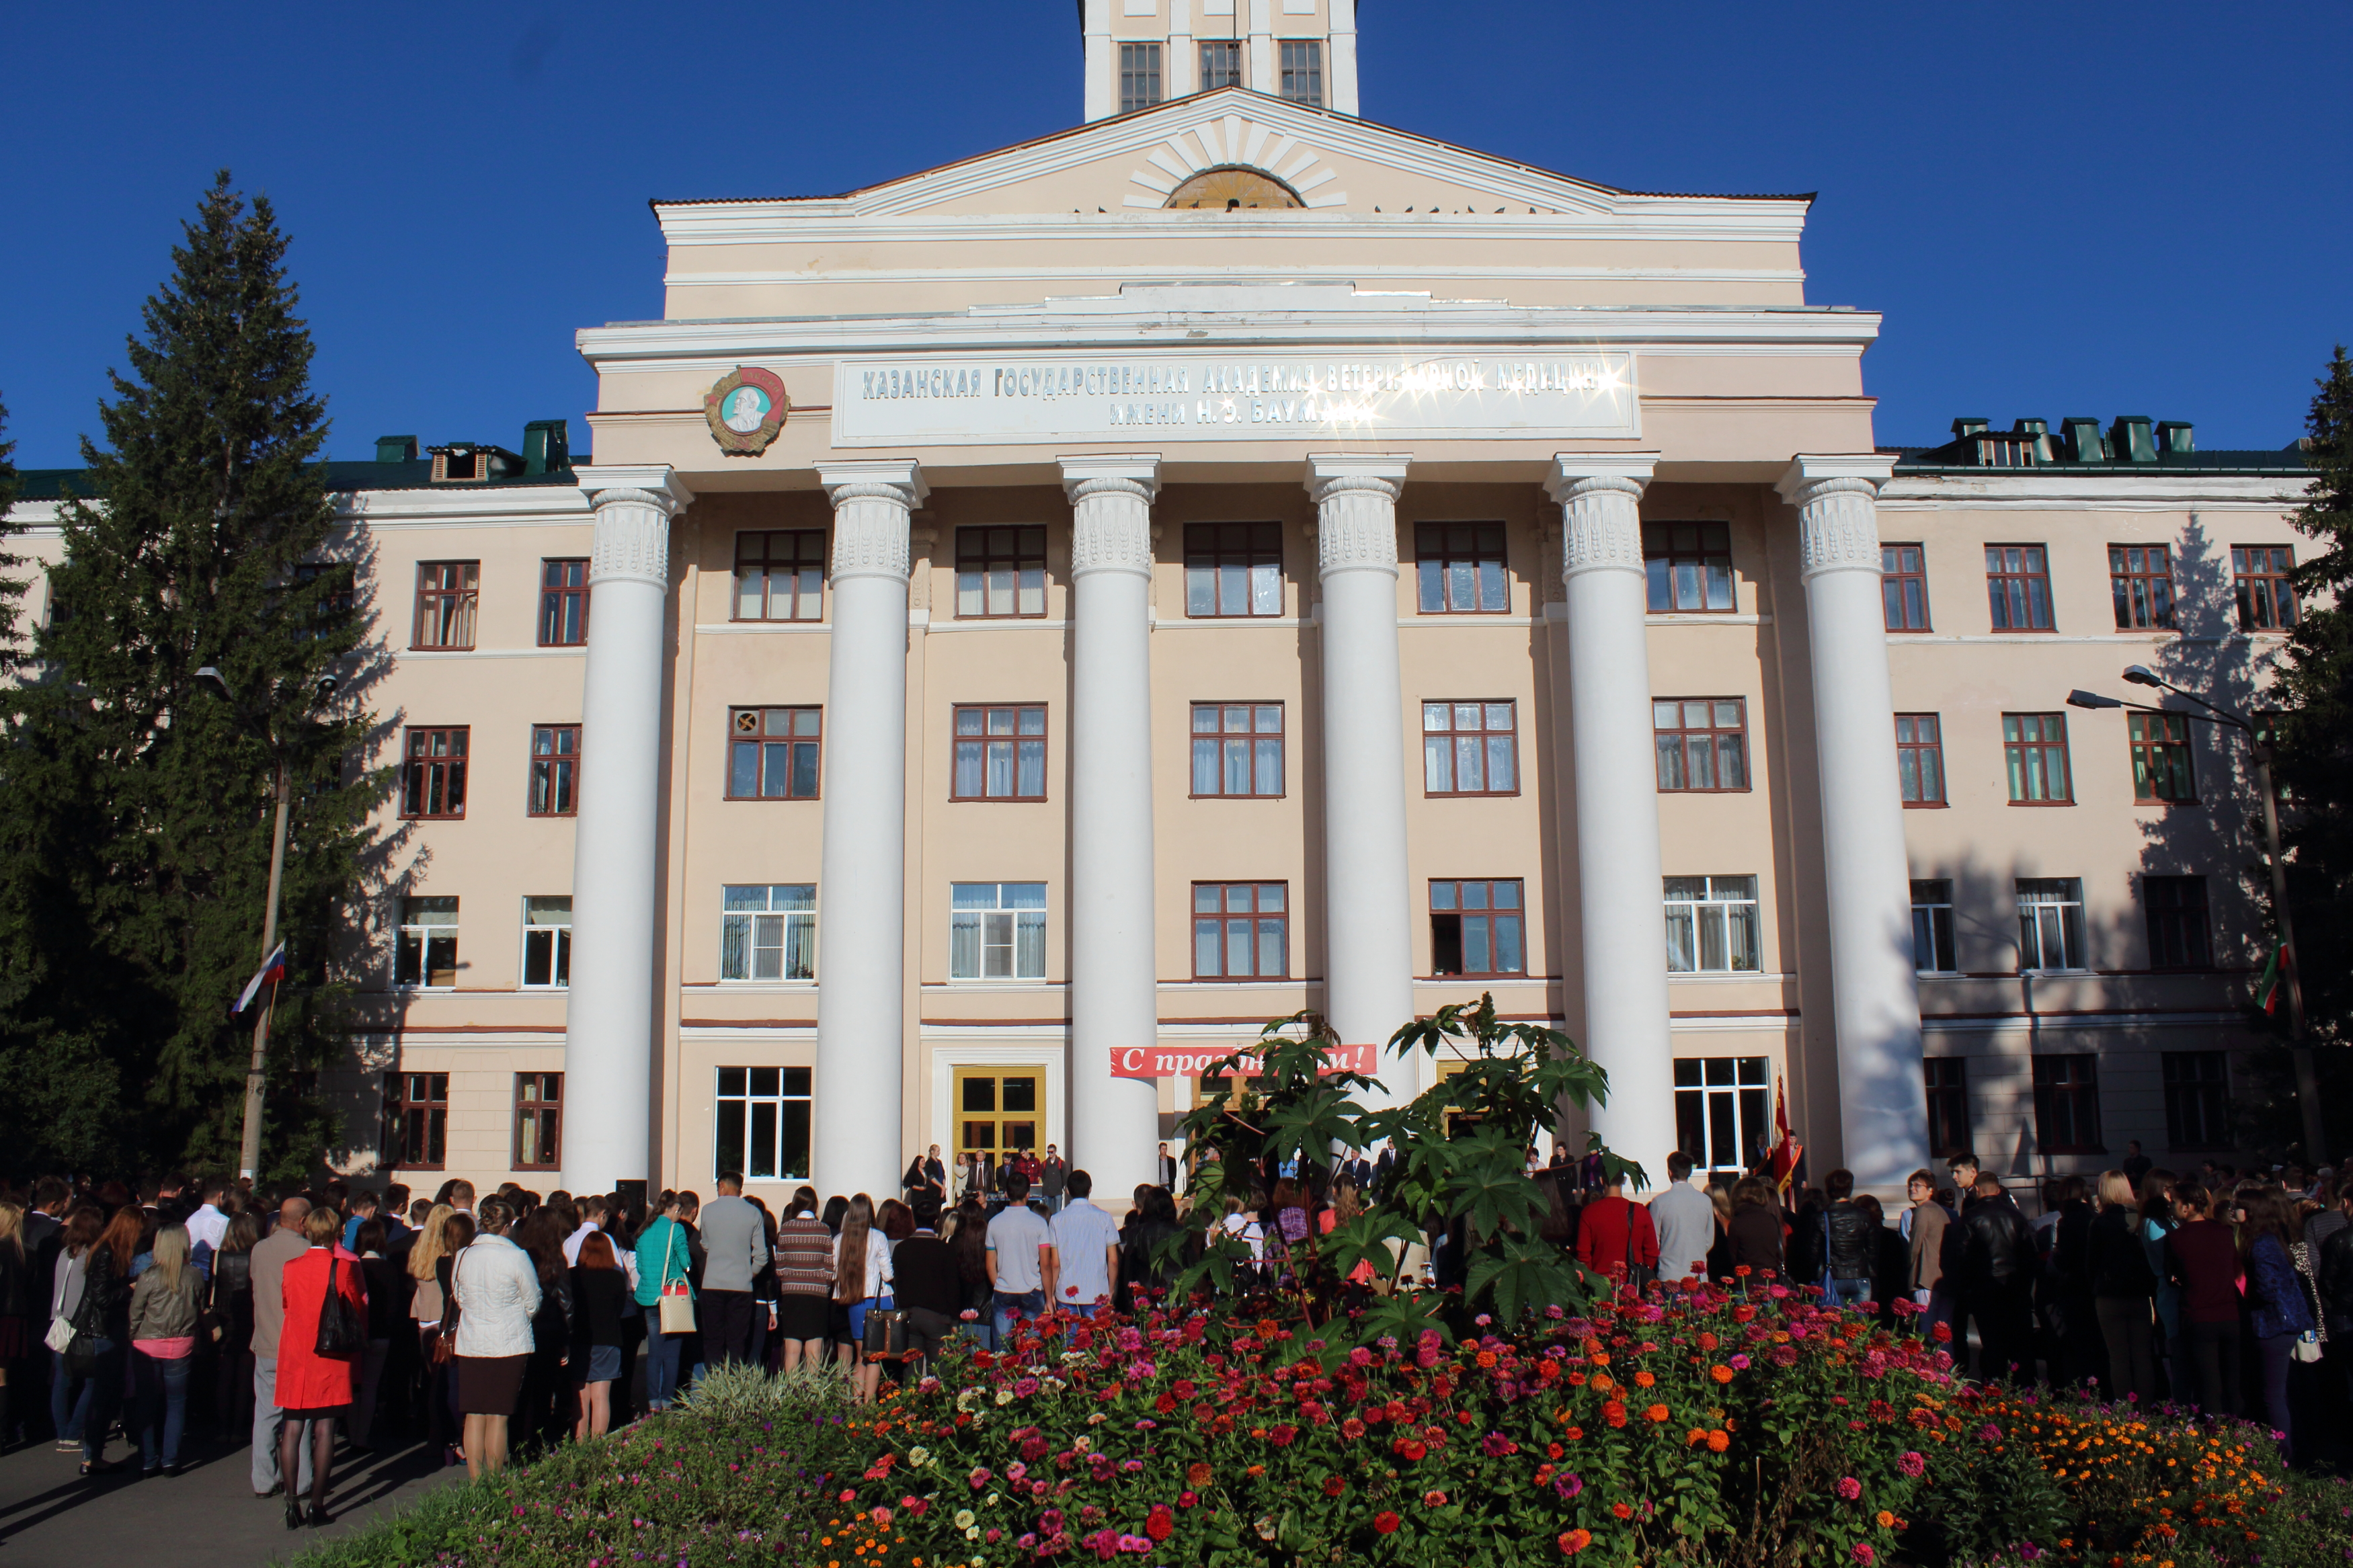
<point x="999" y="1110"/>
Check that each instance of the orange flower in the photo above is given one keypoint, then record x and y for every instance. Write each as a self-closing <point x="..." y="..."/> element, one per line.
<point x="1573" y="1542"/>
<point x="1486" y="1358"/>
<point x="1656" y="1413"/>
<point x="1614" y="1413"/>
<point x="1886" y="1519"/>
<point x="1199" y="1474"/>
<point x="1718" y="1441"/>
<point x="1623" y="1511"/>
<point x="1696" y="1436"/>
<point x="1721" y="1373"/>
<point x="1644" y="1380"/>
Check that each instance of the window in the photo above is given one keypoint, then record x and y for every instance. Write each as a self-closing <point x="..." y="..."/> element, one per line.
<point x="1688" y="564"/>
<point x="780" y="576"/>
<point x="1904" y="582"/>
<point x="2050" y="923"/>
<point x="1000" y="753"/>
<point x="1711" y="925"/>
<point x="562" y="604"/>
<point x="768" y="933"/>
<point x="1139" y="77"/>
<point x="539" y="1121"/>
<point x="1932" y="928"/>
<point x="1221" y="63"/>
<point x="764" y="1123"/>
<point x="1475" y="928"/>
<point x="547" y="942"/>
<point x="447" y="592"/>
<point x="1460" y="568"/>
<point x="419" y="1117"/>
<point x="2140" y="576"/>
<point x="1000" y="572"/>
<point x="1233" y="569"/>
<point x="772" y="752"/>
<point x="1240" y="931"/>
<point x="996" y="931"/>
<point x="2266" y="592"/>
<point x="1470" y="748"/>
<point x="2067" y="1105"/>
<point x="2034" y="746"/>
<point x="428" y="953"/>
<point x="1947" y="1084"/>
<point x="555" y="769"/>
<point x="1720" y="1111"/>
<point x="2160" y="756"/>
<point x="335" y="604"/>
<point x="2196" y="1099"/>
<point x="1920" y="758"/>
<point x="2179" y="936"/>
<point x="1303" y="72"/>
<point x="998" y="1111"/>
<point x="433" y="775"/>
<point x="2018" y="587"/>
<point x="1237" y="750"/>
<point x="1702" y="743"/>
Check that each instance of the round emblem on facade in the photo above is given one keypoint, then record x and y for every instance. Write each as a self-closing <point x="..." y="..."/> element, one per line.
<point x="746" y="409"/>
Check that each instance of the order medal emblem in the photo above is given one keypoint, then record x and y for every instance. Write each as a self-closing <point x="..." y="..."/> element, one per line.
<point x="746" y="409"/>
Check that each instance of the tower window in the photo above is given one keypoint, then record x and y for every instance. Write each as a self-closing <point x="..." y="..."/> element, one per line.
<point x="1303" y="72"/>
<point x="1139" y="77"/>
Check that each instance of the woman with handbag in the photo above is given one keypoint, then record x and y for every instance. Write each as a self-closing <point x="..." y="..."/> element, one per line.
<point x="91" y="1327"/>
<point x="319" y="1354"/>
<point x="2277" y="1306"/>
<point x="164" y="1306"/>
<point x="665" y="1294"/>
<point x="427" y="1306"/>
<point x="862" y="1267"/>
<point x="495" y="1287"/>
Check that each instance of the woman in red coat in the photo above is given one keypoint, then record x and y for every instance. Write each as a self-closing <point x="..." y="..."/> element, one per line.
<point x="313" y="1389"/>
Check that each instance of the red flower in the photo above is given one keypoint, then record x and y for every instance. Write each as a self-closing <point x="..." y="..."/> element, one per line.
<point x="1281" y="1435"/>
<point x="1161" y="1524"/>
<point x="1573" y="1542"/>
<point x="1334" y="1486"/>
<point x="1433" y="1498"/>
<point x="1623" y="1511"/>
<point x="1615" y="1412"/>
<point x="1352" y="1428"/>
<point x="1386" y="1522"/>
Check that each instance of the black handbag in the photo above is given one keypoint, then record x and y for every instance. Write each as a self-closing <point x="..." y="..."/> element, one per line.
<point x="342" y="1332"/>
<point x="886" y="1331"/>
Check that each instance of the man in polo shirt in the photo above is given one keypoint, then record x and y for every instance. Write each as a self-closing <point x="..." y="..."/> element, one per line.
<point x="1020" y="1259"/>
<point x="270" y="1256"/>
<point x="1086" y="1250"/>
<point x="1684" y="1217"/>
<point x="736" y="1245"/>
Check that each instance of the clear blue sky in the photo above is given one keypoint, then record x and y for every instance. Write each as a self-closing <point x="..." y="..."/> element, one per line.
<point x="2061" y="210"/>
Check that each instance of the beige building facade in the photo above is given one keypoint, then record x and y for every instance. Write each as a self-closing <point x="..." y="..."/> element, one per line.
<point x="1027" y="623"/>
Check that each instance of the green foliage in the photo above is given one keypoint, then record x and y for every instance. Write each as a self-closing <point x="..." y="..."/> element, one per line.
<point x="135" y="805"/>
<point x="12" y="587"/>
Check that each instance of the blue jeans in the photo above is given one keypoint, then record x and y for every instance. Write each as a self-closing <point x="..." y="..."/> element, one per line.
<point x="84" y="1403"/>
<point x="1846" y="1292"/>
<point x="1031" y="1304"/>
<point x="661" y="1361"/>
<point x="160" y="1389"/>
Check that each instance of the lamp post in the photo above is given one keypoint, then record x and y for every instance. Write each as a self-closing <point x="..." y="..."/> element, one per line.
<point x="2307" y="1079"/>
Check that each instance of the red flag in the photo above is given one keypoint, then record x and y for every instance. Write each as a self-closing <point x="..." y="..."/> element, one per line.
<point x="1786" y="1148"/>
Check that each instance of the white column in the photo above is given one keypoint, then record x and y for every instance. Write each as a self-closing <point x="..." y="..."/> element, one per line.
<point x="861" y="935"/>
<point x="1874" y="992"/>
<point x="609" y="1016"/>
<point x="1265" y="70"/>
<point x="1101" y="60"/>
<point x="1619" y="890"/>
<point x="1340" y="68"/>
<point x="1367" y="902"/>
<point x="1114" y="992"/>
<point x="1180" y="66"/>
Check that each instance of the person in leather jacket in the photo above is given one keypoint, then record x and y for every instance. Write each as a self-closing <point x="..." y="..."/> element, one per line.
<point x="1998" y="1264"/>
<point x="1850" y="1244"/>
<point x="2334" y="1269"/>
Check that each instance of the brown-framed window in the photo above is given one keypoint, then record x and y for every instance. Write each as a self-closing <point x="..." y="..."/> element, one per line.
<point x="1702" y="743"/>
<point x="335" y="604"/>
<point x="427" y="950"/>
<point x="1931" y="926"/>
<point x="555" y="769"/>
<point x="1713" y="925"/>
<point x="1237" y="751"/>
<point x="1948" y="1083"/>
<point x="1242" y="931"/>
<point x="2140" y="577"/>
<point x="763" y="1123"/>
<point x="772" y="752"/>
<point x="1303" y="72"/>
<point x="1232" y="569"/>
<point x="418" y="1120"/>
<point x="1139" y="77"/>
<point x="1470" y="748"/>
<point x="780" y="574"/>
<point x="1000" y="573"/>
<point x="1221" y="63"/>
<point x="2067" y="1105"/>
<point x="1903" y="583"/>
<point x="1000" y="753"/>
<point x="2051" y="924"/>
<point x="1459" y="567"/>
<point x="2160" y="757"/>
<point x="1688" y="565"/>
<point x="447" y="593"/>
<point x="2196" y="1099"/>
<point x="433" y="773"/>
<point x="2265" y="590"/>
<point x="2179" y="936"/>
<point x="1920" y="758"/>
<point x="2034" y="749"/>
<point x="563" y="603"/>
<point x="1475" y="928"/>
<point x="538" y="1120"/>
<point x="2018" y="587"/>
<point x="547" y="943"/>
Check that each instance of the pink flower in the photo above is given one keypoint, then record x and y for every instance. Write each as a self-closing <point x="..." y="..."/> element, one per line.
<point x="1849" y="1487"/>
<point x="1864" y="1554"/>
<point x="1911" y="1464"/>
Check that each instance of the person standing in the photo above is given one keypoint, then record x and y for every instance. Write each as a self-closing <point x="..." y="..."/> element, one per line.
<point x="2201" y="1256"/>
<point x="2123" y="1290"/>
<point x="1163" y="1169"/>
<point x="735" y="1250"/>
<point x="862" y="1267"/>
<point x="804" y="1256"/>
<point x="164" y="1305"/>
<point x="1850" y="1245"/>
<point x="1997" y="1267"/>
<point x="924" y="1282"/>
<point x="311" y="1392"/>
<point x="1924" y="1227"/>
<point x="1053" y="1179"/>
<point x="207" y="1223"/>
<point x="2280" y="1312"/>
<point x="1086" y="1250"/>
<point x="388" y="1314"/>
<point x="496" y="1287"/>
<point x="1020" y="1261"/>
<point x="1685" y="1222"/>
<point x="2157" y="1221"/>
<point x="16" y="1335"/>
<point x="600" y="1295"/>
<point x="664" y="1264"/>
<point x="1755" y="1230"/>
<point x="1616" y="1239"/>
<point x="270" y="1256"/>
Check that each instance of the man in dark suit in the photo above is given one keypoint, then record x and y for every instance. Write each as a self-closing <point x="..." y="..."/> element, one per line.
<point x="1381" y="1169"/>
<point x="1163" y="1169"/>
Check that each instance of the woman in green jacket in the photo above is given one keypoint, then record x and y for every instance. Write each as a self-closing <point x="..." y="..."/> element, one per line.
<point x="664" y="1261"/>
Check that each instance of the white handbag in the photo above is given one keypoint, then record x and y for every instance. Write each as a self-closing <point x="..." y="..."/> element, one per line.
<point x="60" y="1335"/>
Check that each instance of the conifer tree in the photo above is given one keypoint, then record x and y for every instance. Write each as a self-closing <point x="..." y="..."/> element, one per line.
<point x="135" y="827"/>
<point x="12" y="586"/>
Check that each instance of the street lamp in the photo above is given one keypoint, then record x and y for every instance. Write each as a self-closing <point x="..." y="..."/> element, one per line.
<point x="2308" y="1080"/>
<point x="249" y="1159"/>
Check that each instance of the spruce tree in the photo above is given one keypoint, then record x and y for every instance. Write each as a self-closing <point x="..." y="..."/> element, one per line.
<point x="135" y="835"/>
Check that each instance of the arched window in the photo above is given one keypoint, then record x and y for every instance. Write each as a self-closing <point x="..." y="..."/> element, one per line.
<point x="1232" y="189"/>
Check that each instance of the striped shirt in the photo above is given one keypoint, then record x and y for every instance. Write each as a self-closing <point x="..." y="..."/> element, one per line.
<point x="804" y="1257"/>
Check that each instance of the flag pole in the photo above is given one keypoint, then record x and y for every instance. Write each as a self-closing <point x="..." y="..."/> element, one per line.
<point x="249" y="1159"/>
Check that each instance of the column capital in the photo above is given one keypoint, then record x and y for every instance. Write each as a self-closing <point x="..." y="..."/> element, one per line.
<point x="872" y="503"/>
<point x="875" y="480"/>
<point x="1099" y="472"/>
<point x="633" y="504"/>
<point x="1838" y="511"/>
<point x="1331" y="473"/>
<point x="1579" y="473"/>
<point x="1600" y="496"/>
<point x="657" y="483"/>
<point x="1807" y="470"/>
<point x="1356" y="510"/>
<point x="1111" y="512"/>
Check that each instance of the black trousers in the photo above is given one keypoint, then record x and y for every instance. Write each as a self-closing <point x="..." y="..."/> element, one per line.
<point x="2005" y="1320"/>
<point x="726" y="1326"/>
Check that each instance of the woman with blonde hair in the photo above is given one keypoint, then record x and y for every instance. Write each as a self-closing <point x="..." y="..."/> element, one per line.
<point x="2123" y="1290"/>
<point x="862" y="1267"/>
<point x="164" y="1306"/>
<point x="427" y="1307"/>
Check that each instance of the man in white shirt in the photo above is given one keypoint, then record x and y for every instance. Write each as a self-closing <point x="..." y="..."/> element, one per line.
<point x="1684" y="1217"/>
<point x="1086" y="1250"/>
<point x="591" y="1210"/>
<point x="1020" y="1259"/>
<point x="207" y="1225"/>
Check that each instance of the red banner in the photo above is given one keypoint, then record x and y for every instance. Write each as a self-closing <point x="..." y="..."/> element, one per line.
<point x="1190" y="1061"/>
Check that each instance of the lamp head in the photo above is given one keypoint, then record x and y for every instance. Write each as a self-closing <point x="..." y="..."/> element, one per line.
<point x="2141" y="675"/>
<point x="2081" y="698"/>
<point x="211" y="681"/>
<point x="324" y="688"/>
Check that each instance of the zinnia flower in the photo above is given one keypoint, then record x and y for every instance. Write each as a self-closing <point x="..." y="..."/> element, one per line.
<point x="1198" y="1474"/>
<point x="1623" y="1510"/>
<point x="1911" y="1464"/>
<point x="1849" y="1487"/>
<point x="1433" y="1498"/>
<point x="1161" y="1524"/>
<point x="1656" y="1413"/>
<point x="1386" y="1522"/>
<point x="1573" y="1542"/>
<point x="1864" y="1554"/>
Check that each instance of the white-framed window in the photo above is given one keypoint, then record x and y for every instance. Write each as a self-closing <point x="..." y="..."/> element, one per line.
<point x="762" y="1123"/>
<point x="2050" y="923"/>
<point x="547" y="943"/>
<point x="1712" y="925"/>
<point x="996" y="931"/>
<point x="428" y="942"/>
<point x="768" y="932"/>
<point x="1720" y="1110"/>
<point x="1932" y="927"/>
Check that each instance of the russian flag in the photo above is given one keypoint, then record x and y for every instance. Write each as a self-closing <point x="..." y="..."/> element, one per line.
<point x="272" y="970"/>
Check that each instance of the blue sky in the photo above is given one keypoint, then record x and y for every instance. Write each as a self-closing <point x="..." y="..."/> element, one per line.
<point x="2060" y="210"/>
